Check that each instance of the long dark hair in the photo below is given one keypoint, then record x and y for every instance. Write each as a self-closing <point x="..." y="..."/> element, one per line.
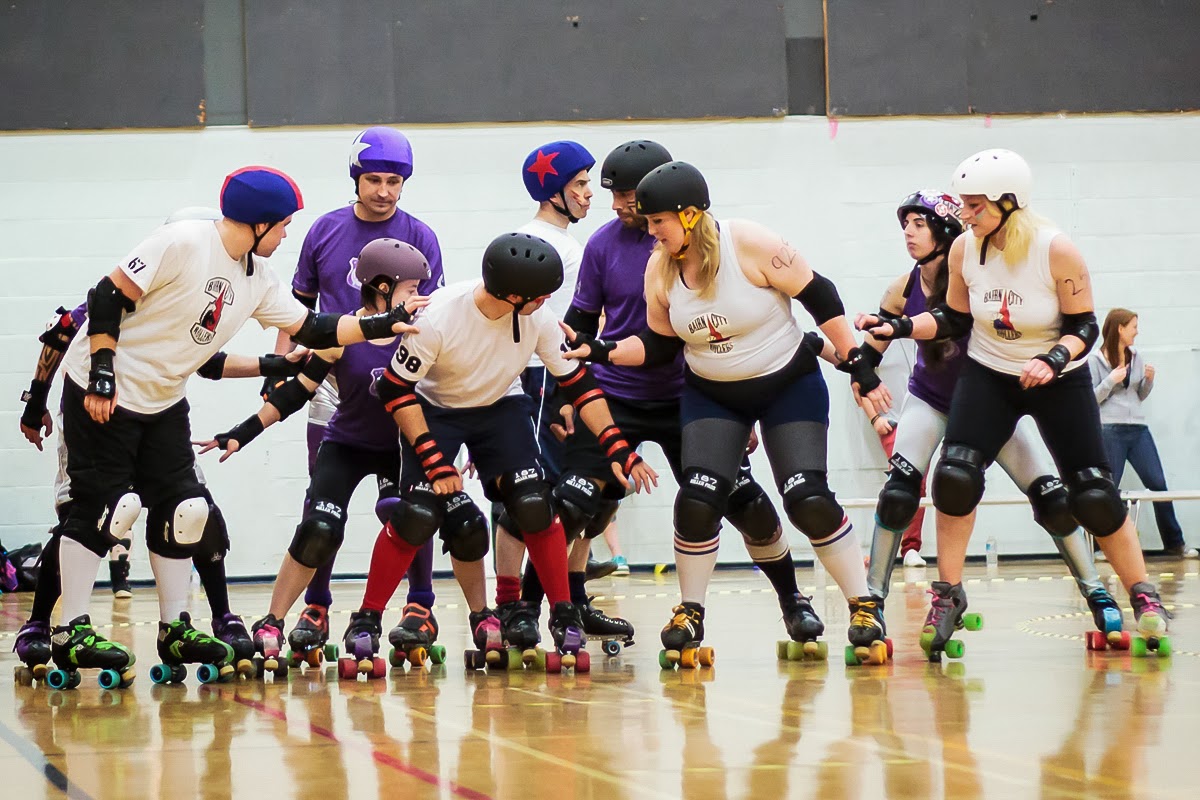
<point x="1111" y="332"/>
<point x="937" y="351"/>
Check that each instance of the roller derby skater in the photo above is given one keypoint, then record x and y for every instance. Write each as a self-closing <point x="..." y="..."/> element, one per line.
<point x="1031" y="324"/>
<point x="722" y="294"/>
<point x="361" y="647"/>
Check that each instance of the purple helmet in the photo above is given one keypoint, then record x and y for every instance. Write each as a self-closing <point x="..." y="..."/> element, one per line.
<point x="548" y="169"/>
<point x="381" y="149"/>
<point x="943" y="211"/>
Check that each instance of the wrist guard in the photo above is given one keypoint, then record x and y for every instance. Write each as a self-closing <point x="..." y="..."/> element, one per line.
<point x="102" y="378"/>
<point x="243" y="433"/>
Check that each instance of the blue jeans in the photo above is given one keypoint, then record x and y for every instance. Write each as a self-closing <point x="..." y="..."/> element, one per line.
<point x="1133" y="443"/>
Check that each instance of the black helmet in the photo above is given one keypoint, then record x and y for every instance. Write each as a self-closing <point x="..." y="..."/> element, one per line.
<point x="672" y="187"/>
<point x="943" y="212"/>
<point x="625" y="166"/>
<point x="521" y="264"/>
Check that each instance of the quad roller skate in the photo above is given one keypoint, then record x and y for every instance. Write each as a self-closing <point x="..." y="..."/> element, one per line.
<point x="803" y="627"/>
<point x="519" y="623"/>
<point x="613" y="632"/>
<point x="868" y="633"/>
<point x="413" y="639"/>
<point x="1107" y="616"/>
<point x="1151" y="622"/>
<point x="309" y="640"/>
<point x="268" y="643"/>
<point x="232" y="631"/>
<point x="77" y="646"/>
<point x="566" y="628"/>
<point x="488" y="639"/>
<point x="179" y="643"/>
<point x="361" y="646"/>
<point x="681" y="639"/>
<point x="947" y="614"/>
<point x="33" y="648"/>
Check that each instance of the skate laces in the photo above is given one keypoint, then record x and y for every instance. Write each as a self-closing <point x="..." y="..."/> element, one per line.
<point x="317" y="615"/>
<point x="863" y="618"/>
<point x="1149" y="602"/>
<point x="416" y="618"/>
<point x="684" y="616"/>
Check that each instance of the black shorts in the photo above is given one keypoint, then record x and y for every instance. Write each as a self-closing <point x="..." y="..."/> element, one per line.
<point x="987" y="405"/>
<point x="499" y="439"/>
<point x="640" y="421"/>
<point x="339" y="468"/>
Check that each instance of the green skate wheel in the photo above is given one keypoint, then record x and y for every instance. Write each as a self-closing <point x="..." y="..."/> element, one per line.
<point x="539" y="659"/>
<point x="955" y="648"/>
<point x="851" y="656"/>
<point x="1137" y="647"/>
<point x="781" y="651"/>
<point x="663" y="661"/>
<point x="331" y="651"/>
<point x="822" y="653"/>
<point x="515" y="661"/>
<point x="794" y="651"/>
<point x="396" y="657"/>
<point x="926" y="642"/>
<point x="437" y="654"/>
<point x="1164" y="647"/>
<point x="972" y="622"/>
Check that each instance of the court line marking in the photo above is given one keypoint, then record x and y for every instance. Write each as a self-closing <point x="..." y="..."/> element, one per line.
<point x="41" y="762"/>
<point x="1026" y="627"/>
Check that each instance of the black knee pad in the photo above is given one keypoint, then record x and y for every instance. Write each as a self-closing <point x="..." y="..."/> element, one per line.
<point x="102" y="531"/>
<point x="464" y="529"/>
<point x="603" y="518"/>
<point x="527" y="499"/>
<point x="958" y="480"/>
<point x="319" y="534"/>
<point x="576" y="498"/>
<point x="1095" y="501"/>
<point x="901" y="495"/>
<point x="702" y="500"/>
<point x="175" y="528"/>
<point x="215" y="543"/>
<point x="417" y="517"/>
<point x="810" y="504"/>
<point x="503" y="520"/>
<point x="1052" y="506"/>
<point x="751" y="511"/>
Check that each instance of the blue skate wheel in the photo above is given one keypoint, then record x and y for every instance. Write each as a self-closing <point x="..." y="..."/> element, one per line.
<point x="160" y="674"/>
<point x="207" y="673"/>
<point x="58" y="679"/>
<point x="1112" y="620"/>
<point x="611" y="648"/>
<point x="109" y="679"/>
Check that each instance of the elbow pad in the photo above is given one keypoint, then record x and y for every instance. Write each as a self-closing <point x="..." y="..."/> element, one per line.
<point x="309" y="302"/>
<point x="318" y="331"/>
<point x="820" y="299"/>
<point x="289" y="397"/>
<point x="1082" y="326"/>
<point x="60" y="333"/>
<point x="580" y="388"/>
<point x="582" y="321"/>
<point x="104" y="304"/>
<point x="951" y="324"/>
<point x="659" y="349"/>
<point x="214" y="368"/>
<point x="394" y="391"/>
<point x="316" y="369"/>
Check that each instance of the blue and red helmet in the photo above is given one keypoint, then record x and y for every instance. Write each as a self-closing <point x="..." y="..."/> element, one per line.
<point x="381" y="149"/>
<point x="254" y="195"/>
<point x="549" y="168"/>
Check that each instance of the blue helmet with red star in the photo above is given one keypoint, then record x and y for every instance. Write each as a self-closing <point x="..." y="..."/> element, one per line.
<point x="549" y="168"/>
<point x="381" y="149"/>
<point x="254" y="195"/>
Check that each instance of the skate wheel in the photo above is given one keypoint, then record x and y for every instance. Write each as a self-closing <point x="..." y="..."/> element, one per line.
<point x="208" y="673"/>
<point x="109" y="679"/>
<point x="23" y="675"/>
<point x="515" y="659"/>
<point x="378" y="668"/>
<point x="707" y="656"/>
<point x="1096" y="640"/>
<point x="972" y="622"/>
<point x="160" y="674"/>
<point x="955" y="648"/>
<point x="687" y="658"/>
<point x="418" y="656"/>
<point x="890" y="648"/>
<point x="1164" y="647"/>
<point x="1138" y="647"/>
<point x="437" y="654"/>
<point x="611" y="648"/>
<point x="313" y="658"/>
<point x="226" y="673"/>
<point x="1123" y="642"/>
<point x="851" y="656"/>
<point x="347" y="669"/>
<point x="39" y="671"/>
<point x="553" y="662"/>
<point x="781" y="651"/>
<point x="878" y="653"/>
<point x="493" y="656"/>
<point x="663" y="661"/>
<point x="583" y="662"/>
<point x="568" y="660"/>
<point x="816" y="651"/>
<point x="331" y="651"/>
<point x="246" y="668"/>
<point x="539" y="658"/>
<point x="396" y="657"/>
<point x="472" y="659"/>
<point x="926" y="641"/>
<point x="282" y="670"/>
<point x="57" y="679"/>
<point x="530" y="656"/>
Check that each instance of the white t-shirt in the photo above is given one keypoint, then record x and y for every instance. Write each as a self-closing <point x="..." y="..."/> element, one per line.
<point x="571" y="253"/>
<point x="195" y="299"/>
<point x="465" y="360"/>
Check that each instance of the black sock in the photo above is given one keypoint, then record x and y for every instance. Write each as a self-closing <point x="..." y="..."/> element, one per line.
<point x="781" y="572"/>
<point x="531" y="586"/>
<point x="212" y="578"/>
<point x="578" y="583"/>
<point x="49" y="584"/>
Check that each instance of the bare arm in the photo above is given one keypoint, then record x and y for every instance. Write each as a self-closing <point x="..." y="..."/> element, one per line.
<point x="1073" y="286"/>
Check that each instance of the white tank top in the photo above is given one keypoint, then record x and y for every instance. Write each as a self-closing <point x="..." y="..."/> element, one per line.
<point x="742" y="331"/>
<point x="1016" y="309"/>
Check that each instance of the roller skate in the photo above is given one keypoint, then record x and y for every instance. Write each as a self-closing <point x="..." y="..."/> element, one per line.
<point x="613" y="632"/>
<point x="803" y="627"/>
<point x="268" y="642"/>
<point x="179" y="643"/>
<point x="413" y="639"/>
<point x="488" y="639"/>
<point x="947" y="614"/>
<point x="1151" y="622"/>
<point x="33" y="648"/>
<point x="1107" y="616"/>
<point x="519" y="623"/>
<point x="361" y="646"/>
<point x="77" y="646"/>
<point x="868" y="633"/>
<point x="681" y="639"/>
<point x="309" y="639"/>
<point x="232" y="631"/>
<point x="566" y="629"/>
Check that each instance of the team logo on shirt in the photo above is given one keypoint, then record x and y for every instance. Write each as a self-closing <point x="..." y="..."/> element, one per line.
<point x="351" y="276"/>
<point x="717" y="341"/>
<point x="205" y="329"/>
<point x="376" y="376"/>
<point x="1002" y="324"/>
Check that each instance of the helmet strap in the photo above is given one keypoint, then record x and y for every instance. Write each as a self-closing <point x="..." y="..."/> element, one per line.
<point x="258" y="237"/>
<point x="563" y="208"/>
<point x="1007" y="205"/>
<point x="380" y="287"/>
<point x="689" y="222"/>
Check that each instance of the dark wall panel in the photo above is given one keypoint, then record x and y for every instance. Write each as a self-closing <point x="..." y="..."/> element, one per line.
<point x="479" y="60"/>
<point x="100" y="63"/>
<point x="1019" y="56"/>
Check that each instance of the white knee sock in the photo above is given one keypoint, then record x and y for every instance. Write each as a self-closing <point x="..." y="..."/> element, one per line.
<point x="695" y="562"/>
<point x="842" y="557"/>
<point x="77" y="568"/>
<point x="173" y="576"/>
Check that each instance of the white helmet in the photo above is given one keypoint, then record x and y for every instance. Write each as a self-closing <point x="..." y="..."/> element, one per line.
<point x="193" y="212"/>
<point x="993" y="174"/>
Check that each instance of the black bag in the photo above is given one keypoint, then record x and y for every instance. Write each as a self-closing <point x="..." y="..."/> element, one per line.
<point x="25" y="562"/>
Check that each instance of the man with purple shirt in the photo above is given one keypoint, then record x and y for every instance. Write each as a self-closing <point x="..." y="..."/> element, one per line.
<point x="381" y="162"/>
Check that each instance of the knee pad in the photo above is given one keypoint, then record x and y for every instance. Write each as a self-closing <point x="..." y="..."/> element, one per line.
<point x="503" y="520"/>
<point x="602" y="519"/>
<point x="901" y="495"/>
<point x="810" y="505"/>
<point x="751" y="511"/>
<point x="527" y="499"/>
<point x="576" y="499"/>
<point x="319" y="535"/>
<point x="416" y="518"/>
<point x="702" y="500"/>
<point x="958" y="480"/>
<point x="389" y="497"/>
<point x="111" y="528"/>
<point x="216" y="534"/>
<point x="1052" y="506"/>
<point x="464" y="529"/>
<point x="1095" y="501"/>
<point x="175" y="528"/>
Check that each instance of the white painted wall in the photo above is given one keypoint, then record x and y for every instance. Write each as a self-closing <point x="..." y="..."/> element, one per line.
<point x="1124" y="187"/>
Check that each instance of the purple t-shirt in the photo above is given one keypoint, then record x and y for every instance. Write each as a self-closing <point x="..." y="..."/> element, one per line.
<point x="934" y="385"/>
<point x="78" y="315"/>
<point x="611" y="279"/>
<point x="360" y="420"/>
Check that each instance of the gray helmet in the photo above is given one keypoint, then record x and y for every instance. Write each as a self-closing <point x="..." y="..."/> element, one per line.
<point x="385" y="262"/>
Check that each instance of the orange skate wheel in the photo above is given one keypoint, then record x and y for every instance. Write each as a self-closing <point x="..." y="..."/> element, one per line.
<point x="418" y="656"/>
<point x="878" y="653"/>
<point x="687" y="658"/>
<point x="707" y="656"/>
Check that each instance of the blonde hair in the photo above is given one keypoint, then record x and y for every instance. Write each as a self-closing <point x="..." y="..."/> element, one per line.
<point x="1020" y="229"/>
<point x="705" y="240"/>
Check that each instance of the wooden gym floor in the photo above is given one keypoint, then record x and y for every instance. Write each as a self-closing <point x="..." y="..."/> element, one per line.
<point x="1026" y="713"/>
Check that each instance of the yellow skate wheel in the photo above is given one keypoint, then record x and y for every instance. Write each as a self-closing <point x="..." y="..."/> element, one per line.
<point x="418" y="656"/>
<point x="530" y="656"/>
<point x="493" y="656"/>
<point x="687" y="658"/>
<point x="878" y="653"/>
<point x="568" y="660"/>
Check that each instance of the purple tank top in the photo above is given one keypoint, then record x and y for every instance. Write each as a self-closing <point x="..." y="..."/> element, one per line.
<point x="933" y="384"/>
<point x="360" y="420"/>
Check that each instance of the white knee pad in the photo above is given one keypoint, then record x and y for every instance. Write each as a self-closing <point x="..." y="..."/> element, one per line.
<point x="119" y="517"/>
<point x="186" y="524"/>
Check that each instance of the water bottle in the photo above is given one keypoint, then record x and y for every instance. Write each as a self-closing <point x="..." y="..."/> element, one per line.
<point x="993" y="554"/>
